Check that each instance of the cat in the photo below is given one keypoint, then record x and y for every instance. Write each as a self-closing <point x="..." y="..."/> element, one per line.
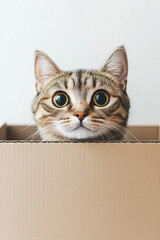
<point x="81" y="104"/>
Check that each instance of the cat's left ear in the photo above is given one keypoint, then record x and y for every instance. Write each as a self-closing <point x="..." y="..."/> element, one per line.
<point x="45" y="70"/>
<point x="117" y="65"/>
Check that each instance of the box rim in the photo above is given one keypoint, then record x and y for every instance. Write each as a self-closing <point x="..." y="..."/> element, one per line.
<point x="77" y="142"/>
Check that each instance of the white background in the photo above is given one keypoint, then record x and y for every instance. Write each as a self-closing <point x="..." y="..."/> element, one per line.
<point x="79" y="34"/>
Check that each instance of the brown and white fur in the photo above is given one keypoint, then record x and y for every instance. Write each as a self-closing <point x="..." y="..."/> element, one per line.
<point x="100" y="123"/>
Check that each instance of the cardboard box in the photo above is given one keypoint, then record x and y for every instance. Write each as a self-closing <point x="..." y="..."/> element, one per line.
<point x="16" y="132"/>
<point x="79" y="191"/>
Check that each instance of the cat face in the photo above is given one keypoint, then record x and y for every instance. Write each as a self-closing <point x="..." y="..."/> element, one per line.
<point x="81" y="104"/>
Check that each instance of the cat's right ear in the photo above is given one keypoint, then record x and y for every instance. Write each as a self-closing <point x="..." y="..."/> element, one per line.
<point x="117" y="65"/>
<point x="45" y="70"/>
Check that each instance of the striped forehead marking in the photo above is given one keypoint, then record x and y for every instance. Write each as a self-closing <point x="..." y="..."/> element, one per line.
<point x="82" y="79"/>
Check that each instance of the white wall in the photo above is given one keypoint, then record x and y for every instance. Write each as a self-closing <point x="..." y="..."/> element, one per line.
<point x="79" y="34"/>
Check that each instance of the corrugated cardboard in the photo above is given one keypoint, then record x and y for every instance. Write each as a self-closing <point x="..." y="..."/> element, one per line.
<point x="80" y="191"/>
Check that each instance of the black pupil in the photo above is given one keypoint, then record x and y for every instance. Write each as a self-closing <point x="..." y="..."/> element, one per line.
<point x="60" y="99"/>
<point x="101" y="98"/>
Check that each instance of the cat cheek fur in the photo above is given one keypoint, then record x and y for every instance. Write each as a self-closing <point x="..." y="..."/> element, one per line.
<point x="108" y="123"/>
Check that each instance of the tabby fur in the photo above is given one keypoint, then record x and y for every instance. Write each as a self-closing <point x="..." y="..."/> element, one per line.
<point x="100" y="123"/>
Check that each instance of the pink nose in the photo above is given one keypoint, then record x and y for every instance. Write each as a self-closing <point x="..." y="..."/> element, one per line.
<point x="80" y="115"/>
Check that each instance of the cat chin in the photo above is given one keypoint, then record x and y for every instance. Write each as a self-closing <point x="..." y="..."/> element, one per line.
<point x="79" y="133"/>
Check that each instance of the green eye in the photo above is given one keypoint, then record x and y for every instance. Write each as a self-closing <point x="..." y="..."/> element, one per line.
<point x="100" y="98"/>
<point x="60" y="99"/>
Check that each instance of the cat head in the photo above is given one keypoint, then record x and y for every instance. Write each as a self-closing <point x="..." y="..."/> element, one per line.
<point x="81" y="104"/>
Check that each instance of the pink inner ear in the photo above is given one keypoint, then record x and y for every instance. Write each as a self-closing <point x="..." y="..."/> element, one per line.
<point x="39" y="82"/>
<point x="38" y="79"/>
<point x="123" y="77"/>
<point x="37" y="68"/>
